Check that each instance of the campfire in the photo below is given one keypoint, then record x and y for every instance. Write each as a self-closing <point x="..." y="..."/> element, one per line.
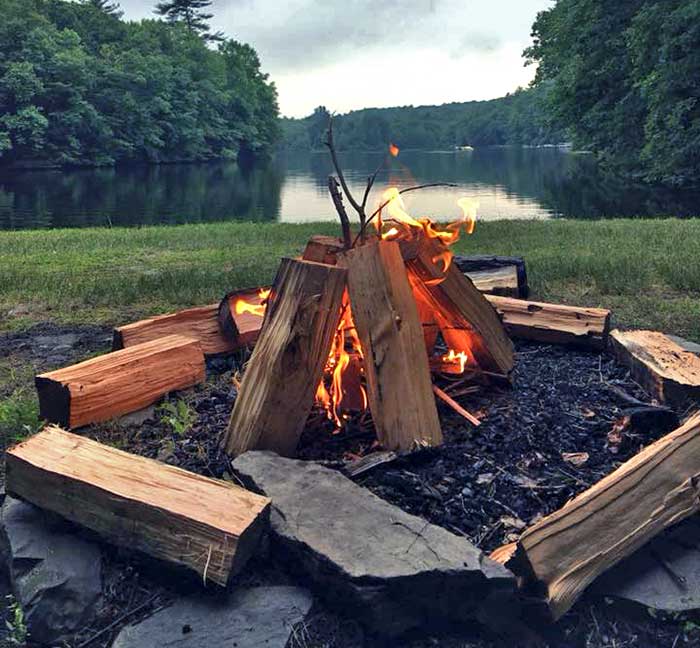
<point x="354" y="325"/>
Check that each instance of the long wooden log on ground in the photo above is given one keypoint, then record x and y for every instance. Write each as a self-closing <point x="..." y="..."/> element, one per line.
<point x="563" y="553"/>
<point x="119" y="382"/>
<point x="240" y="316"/>
<point x="554" y="323"/>
<point x="498" y="281"/>
<point x="283" y="373"/>
<point x="202" y="524"/>
<point x="664" y="369"/>
<point x="485" y="264"/>
<point x="396" y="363"/>
<point x="198" y="323"/>
<point x="469" y="323"/>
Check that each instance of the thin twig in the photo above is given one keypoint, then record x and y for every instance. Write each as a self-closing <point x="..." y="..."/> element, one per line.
<point x="337" y="198"/>
<point x="456" y="406"/>
<point x="334" y="156"/>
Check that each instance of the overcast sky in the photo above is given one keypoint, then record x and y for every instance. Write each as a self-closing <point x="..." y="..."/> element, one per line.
<point x="348" y="54"/>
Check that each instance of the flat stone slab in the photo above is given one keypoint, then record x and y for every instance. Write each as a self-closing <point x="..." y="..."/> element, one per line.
<point x="663" y="575"/>
<point x="247" y="618"/>
<point x="370" y="559"/>
<point x="55" y="575"/>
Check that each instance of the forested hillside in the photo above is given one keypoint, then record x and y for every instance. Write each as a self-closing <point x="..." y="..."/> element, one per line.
<point x="625" y="79"/>
<point x="518" y="118"/>
<point x="79" y="85"/>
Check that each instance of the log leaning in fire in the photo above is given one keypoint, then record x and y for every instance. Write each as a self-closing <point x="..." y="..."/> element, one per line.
<point x="664" y="369"/>
<point x="563" y="553"/>
<point x="554" y="323"/>
<point x="198" y="323"/>
<point x="119" y="382"/>
<point x="211" y="527"/>
<point x="241" y="329"/>
<point x="467" y="320"/>
<point x="287" y="364"/>
<point x="396" y="364"/>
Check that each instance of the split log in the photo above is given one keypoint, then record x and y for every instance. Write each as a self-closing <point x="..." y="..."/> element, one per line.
<point x="554" y="323"/>
<point x="119" y="382"/>
<point x="467" y="320"/>
<point x="664" y="369"/>
<point x="283" y="373"/>
<point x="196" y="323"/>
<point x="209" y="526"/>
<point x="485" y="263"/>
<point x="323" y="249"/>
<point x="396" y="364"/>
<point x="241" y="329"/>
<point x="499" y="281"/>
<point x="558" y="557"/>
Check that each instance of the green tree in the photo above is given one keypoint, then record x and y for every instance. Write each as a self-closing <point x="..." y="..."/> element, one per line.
<point x="78" y="85"/>
<point x="190" y="12"/>
<point x="106" y="6"/>
<point x="624" y="80"/>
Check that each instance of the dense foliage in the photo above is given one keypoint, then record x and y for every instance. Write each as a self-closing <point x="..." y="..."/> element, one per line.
<point x="625" y="80"/>
<point x="517" y="118"/>
<point x="78" y="85"/>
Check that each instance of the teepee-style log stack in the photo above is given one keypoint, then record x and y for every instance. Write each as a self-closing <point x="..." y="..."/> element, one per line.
<point x="400" y="299"/>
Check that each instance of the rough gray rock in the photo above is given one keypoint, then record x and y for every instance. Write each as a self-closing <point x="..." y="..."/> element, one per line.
<point x="248" y="618"/>
<point x="663" y="575"/>
<point x="55" y="575"/>
<point x="370" y="559"/>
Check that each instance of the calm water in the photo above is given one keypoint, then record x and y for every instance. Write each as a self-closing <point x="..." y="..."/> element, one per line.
<point x="507" y="182"/>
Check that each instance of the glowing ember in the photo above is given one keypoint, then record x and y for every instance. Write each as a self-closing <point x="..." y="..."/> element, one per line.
<point x="459" y="358"/>
<point x="254" y="308"/>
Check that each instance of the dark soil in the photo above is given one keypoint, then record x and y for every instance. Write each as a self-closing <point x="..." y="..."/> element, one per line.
<point x="486" y="483"/>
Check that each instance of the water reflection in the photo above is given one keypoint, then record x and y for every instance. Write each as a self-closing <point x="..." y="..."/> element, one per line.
<point x="508" y="182"/>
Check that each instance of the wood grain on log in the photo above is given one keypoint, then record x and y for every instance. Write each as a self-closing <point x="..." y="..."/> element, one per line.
<point x="498" y="281"/>
<point x="198" y="323"/>
<point x="202" y="524"/>
<point x="283" y="373"/>
<point x="119" y="382"/>
<point x="562" y="554"/>
<point x="664" y="369"/>
<point x="467" y="320"/>
<point x="554" y="323"/>
<point x="396" y="363"/>
<point x="476" y="263"/>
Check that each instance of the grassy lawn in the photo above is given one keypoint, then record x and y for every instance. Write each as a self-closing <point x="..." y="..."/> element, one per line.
<point x="647" y="272"/>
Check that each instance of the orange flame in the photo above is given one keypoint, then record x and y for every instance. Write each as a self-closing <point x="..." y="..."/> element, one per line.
<point x="460" y="358"/>
<point x="400" y="220"/>
<point x="394" y="150"/>
<point x="339" y="371"/>
<point x="242" y="305"/>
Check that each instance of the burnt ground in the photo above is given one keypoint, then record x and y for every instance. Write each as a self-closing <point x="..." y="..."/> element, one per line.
<point x="486" y="483"/>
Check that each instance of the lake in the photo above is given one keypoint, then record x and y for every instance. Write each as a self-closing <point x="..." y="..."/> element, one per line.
<point x="508" y="182"/>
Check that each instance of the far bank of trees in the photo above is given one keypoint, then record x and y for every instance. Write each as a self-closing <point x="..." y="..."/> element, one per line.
<point x="79" y="85"/>
<point x="518" y="118"/>
<point x="625" y="81"/>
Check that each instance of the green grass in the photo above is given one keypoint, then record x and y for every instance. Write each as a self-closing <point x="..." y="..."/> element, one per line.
<point x="647" y="271"/>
